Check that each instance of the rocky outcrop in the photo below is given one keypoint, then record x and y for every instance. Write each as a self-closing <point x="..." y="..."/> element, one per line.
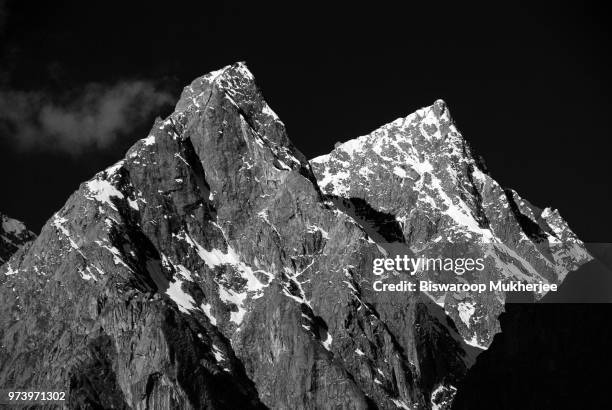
<point x="13" y="236"/>
<point x="417" y="185"/>
<point x="207" y="270"/>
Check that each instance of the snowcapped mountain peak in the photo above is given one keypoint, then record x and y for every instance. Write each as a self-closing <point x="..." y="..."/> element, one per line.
<point x="425" y="142"/>
<point x="420" y="173"/>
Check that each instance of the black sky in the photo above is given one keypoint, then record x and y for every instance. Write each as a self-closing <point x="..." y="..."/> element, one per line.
<point x="528" y="87"/>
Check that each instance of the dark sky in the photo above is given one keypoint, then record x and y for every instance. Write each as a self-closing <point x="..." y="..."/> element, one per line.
<point x="528" y="87"/>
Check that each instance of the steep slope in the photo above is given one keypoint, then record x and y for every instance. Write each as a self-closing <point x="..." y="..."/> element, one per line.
<point x="205" y="270"/>
<point x="13" y="235"/>
<point x="418" y="184"/>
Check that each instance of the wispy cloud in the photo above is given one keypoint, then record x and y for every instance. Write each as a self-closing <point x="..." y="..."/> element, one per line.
<point x="93" y="117"/>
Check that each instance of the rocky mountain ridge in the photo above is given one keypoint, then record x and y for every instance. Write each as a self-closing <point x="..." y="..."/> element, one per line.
<point x="419" y="179"/>
<point x="207" y="270"/>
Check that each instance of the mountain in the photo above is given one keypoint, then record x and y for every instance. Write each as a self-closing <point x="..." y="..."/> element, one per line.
<point x="207" y="270"/>
<point x="216" y="267"/>
<point x="13" y="235"/>
<point x="418" y="186"/>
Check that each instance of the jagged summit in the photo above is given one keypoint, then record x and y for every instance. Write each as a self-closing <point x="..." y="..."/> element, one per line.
<point x="236" y="85"/>
<point x="441" y="107"/>
<point x="426" y="141"/>
<point x="440" y="111"/>
<point x="235" y="80"/>
<point x="421" y="174"/>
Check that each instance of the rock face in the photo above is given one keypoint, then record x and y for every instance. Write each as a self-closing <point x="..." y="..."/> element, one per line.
<point x="13" y="235"/>
<point x="417" y="183"/>
<point x="208" y="270"/>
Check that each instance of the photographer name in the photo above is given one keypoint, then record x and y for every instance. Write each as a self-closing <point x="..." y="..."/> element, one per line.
<point x="492" y="286"/>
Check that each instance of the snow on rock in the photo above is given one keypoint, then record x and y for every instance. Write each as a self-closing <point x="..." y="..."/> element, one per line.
<point x="327" y="343"/>
<point x="207" y="309"/>
<point x="442" y="397"/>
<point x="101" y="190"/>
<point x="219" y="357"/>
<point x="184" y="300"/>
<point x="314" y="228"/>
<point x="117" y="257"/>
<point x="466" y="311"/>
<point x="133" y="204"/>
<point x="475" y="343"/>
<point x="87" y="274"/>
<point x="401" y="404"/>
<point x="216" y="257"/>
<point x="9" y="270"/>
<point x="230" y="296"/>
<point x="150" y="140"/>
<point x="58" y="222"/>
<point x="422" y="173"/>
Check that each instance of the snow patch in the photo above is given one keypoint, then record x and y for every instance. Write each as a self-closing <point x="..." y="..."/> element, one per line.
<point x="102" y="191"/>
<point x="216" y="257"/>
<point x="314" y="228"/>
<point x="219" y="357"/>
<point x="58" y="222"/>
<point x="466" y="311"/>
<point x="10" y="270"/>
<point x="184" y="300"/>
<point x="207" y="309"/>
<point x="150" y="140"/>
<point x="474" y="342"/>
<point x="400" y="404"/>
<point x="327" y="343"/>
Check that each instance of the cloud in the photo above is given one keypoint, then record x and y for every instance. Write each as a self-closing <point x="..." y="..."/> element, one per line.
<point x="93" y="117"/>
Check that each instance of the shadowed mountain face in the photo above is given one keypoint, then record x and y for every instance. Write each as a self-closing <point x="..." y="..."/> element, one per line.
<point x="546" y="357"/>
<point x="550" y="355"/>
<point x="421" y="173"/>
<point x="206" y="270"/>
